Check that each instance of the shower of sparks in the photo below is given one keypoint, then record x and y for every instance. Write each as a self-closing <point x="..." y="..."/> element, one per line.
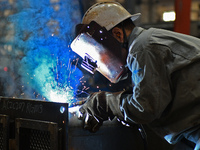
<point x="64" y="93"/>
<point x="43" y="33"/>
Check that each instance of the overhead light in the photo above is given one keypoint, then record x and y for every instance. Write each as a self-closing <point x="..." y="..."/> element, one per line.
<point x="169" y="16"/>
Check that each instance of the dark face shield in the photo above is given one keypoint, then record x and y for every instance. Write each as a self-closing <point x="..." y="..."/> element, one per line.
<point x="100" y="51"/>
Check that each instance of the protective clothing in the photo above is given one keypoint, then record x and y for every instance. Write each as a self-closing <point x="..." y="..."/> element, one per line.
<point x="166" y="77"/>
<point x="105" y="13"/>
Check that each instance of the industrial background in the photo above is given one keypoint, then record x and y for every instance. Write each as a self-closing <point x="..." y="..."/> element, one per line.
<point x="37" y="63"/>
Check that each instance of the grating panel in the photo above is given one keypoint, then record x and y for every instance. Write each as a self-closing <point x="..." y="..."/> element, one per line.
<point x="36" y="135"/>
<point x="34" y="139"/>
<point x="40" y="140"/>
<point x="1" y="137"/>
<point x="3" y="132"/>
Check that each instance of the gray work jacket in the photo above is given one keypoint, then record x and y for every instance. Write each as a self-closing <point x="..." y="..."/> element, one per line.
<point x="165" y="70"/>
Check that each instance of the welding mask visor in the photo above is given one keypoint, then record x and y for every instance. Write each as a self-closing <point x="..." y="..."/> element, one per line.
<point x="100" y="51"/>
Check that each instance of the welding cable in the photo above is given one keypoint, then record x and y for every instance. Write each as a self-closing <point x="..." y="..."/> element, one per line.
<point x="140" y="129"/>
<point x="143" y="135"/>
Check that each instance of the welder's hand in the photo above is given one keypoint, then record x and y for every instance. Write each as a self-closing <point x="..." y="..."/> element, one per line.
<point x="90" y="122"/>
<point x="100" y="106"/>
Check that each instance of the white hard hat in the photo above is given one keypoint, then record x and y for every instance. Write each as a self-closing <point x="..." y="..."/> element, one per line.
<point x="107" y="14"/>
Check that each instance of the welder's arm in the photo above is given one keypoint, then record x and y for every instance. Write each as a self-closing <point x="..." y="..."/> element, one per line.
<point x="151" y="94"/>
<point x="152" y="91"/>
<point x="99" y="107"/>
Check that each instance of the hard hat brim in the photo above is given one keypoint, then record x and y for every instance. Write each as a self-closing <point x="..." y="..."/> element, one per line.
<point x="135" y="16"/>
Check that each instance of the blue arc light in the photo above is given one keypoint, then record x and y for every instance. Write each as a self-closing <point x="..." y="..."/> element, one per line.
<point x="43" y="32"/>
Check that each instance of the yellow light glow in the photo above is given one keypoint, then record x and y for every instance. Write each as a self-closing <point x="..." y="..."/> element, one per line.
<point x="169" y="16"/>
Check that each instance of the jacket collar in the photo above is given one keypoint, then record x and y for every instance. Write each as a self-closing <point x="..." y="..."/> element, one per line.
<point x="134" y="34"/>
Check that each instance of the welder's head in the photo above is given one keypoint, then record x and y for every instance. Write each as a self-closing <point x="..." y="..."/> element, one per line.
<point x="115" y="18"/>
<point x="108" y="14"/>
<point x="98" y="41"/>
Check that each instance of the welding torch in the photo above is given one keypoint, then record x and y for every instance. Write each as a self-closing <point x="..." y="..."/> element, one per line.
<point x="77" y="103"/>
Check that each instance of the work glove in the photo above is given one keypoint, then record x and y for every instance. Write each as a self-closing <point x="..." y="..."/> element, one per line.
<point x="100" y="106"/>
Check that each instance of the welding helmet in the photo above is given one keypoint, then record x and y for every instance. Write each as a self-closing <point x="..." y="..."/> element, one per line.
<point x="107" y="14"/>
<point x="100" y="51"/>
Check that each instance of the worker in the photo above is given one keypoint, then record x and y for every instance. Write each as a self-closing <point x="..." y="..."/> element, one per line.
<point x="165" y="73"/>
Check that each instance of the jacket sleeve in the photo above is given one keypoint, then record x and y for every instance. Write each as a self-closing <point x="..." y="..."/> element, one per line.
<point x="151" y="91"/>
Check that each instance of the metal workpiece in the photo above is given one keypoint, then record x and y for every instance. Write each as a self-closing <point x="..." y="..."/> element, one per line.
<point x="32" y="124"/>
<point x="54" y="126"/>
<point x="113" y="135"/>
